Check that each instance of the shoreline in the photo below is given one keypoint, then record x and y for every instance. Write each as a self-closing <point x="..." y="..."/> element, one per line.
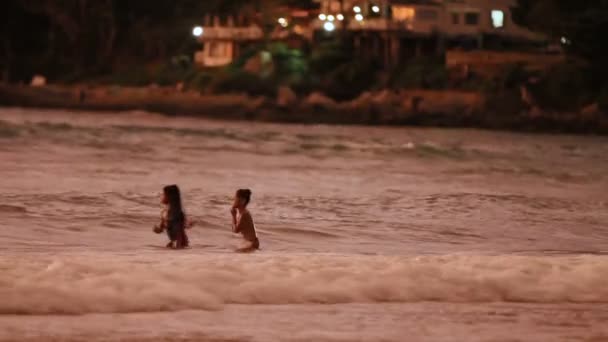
<point x="416" y="108"/>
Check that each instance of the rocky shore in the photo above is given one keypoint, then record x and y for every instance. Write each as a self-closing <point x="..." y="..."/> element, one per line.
<point x="442" y="108"/>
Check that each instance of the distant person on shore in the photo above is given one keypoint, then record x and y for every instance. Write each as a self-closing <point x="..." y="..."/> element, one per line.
<point x="173" y="219"/>
<point x="242" y="221"/>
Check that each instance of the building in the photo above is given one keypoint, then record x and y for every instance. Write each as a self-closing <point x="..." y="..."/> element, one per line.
<point x="393" y="30"/>
<point x="224" y="38"/>
<point x="450" y="17"/>
<point x="483" y="16"/>
<point x="386" y="31"/>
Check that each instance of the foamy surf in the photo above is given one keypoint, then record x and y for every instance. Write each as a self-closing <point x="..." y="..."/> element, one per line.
<point x="83" y="284"/>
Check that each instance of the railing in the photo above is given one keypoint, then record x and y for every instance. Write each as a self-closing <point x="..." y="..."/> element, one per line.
<point x="374" y="24"/>
<point x="232" y="33"/>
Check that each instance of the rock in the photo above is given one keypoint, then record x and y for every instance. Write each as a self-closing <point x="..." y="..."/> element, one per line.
<point x="254" y="103"/>
<point x="526" y="96"/>
<point x="386" y="106"/>
<point x="38" y="81"/>
<point x="591" y="110"/>
<point x="536" y="112"/>
<point x="363" y="101"/>
<point x="286" y="97"/>
<point x="385" y="97"/>
<point x="317" y="99"/>
<point x="412" y="104"/>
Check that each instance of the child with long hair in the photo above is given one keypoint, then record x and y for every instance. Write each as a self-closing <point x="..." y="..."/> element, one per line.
<point x="173" y="219"/>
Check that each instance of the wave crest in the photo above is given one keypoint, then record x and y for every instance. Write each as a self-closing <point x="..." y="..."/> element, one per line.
<point x="171" y="282"/>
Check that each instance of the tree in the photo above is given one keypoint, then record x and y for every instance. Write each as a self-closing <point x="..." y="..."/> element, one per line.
<point x="22" y="42"/>
<point x="83" y="32"/>
<point x="580" y="25"/>
<point x="86" y="37"/>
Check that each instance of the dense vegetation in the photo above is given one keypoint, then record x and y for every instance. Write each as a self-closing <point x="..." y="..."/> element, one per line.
<point x="77" y="38"/>
<point x="141" y="42"/>
<point x="581" y="26"/>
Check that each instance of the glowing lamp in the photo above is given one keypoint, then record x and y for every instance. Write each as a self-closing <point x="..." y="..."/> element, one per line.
<point x="197" y="31"/>
<point x="329" y="26"/>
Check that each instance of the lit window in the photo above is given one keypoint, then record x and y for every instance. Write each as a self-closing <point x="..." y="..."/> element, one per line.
<point x="498" y="18"/>
<point x="218" y="49"/>
<point x="471" y="18"/>
<point x="403" y="13"/>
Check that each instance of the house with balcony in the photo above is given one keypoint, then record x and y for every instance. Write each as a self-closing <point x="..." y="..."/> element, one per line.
<point x="224" y="38"/>
<point x="486" y="21"/>
<point x="390" y="31"/>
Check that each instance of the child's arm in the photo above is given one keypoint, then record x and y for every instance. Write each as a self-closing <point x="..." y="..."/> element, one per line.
<point x="159" y="228"/>
<point x="234" y="223"/>
<point x="188" y="223"/>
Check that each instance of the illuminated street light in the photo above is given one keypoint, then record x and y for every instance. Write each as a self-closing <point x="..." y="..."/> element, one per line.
<point x="340" y="17"/>
<point x="322" y="17"/>
<point x="376" y="9"/>
<point x="283" y="22"/>
<point x="329" y="27"/>
<point x="330" y="17"/>
<point x="359" y="17"/>
<point x="357" y="9"/>
<point x="197" y="31"/>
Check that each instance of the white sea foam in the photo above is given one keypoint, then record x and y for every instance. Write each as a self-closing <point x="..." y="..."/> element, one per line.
<point x="171" y="282"/>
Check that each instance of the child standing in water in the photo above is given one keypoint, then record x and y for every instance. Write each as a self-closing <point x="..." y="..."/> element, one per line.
<point x="242" y="222"/>
<point x="173" y="219"/>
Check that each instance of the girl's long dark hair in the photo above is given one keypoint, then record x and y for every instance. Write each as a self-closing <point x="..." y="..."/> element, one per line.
<point x="174" y="198"/>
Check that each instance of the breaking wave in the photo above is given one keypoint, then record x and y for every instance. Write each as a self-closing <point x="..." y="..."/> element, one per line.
<point x="173" y="282"/>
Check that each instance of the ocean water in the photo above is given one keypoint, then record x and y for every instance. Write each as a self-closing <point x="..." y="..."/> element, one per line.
<point x="368" y="234"/>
